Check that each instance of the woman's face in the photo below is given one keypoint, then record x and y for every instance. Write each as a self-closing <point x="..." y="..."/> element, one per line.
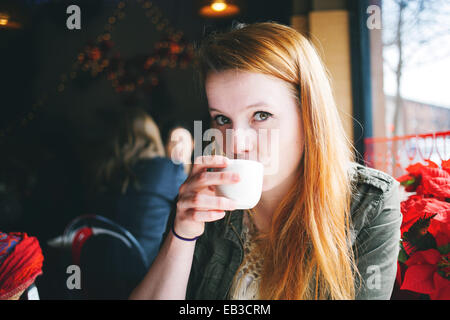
<point x="261" y="120"/>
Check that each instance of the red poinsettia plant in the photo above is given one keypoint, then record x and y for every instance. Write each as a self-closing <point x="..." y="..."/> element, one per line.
<point x="423" y="265"/>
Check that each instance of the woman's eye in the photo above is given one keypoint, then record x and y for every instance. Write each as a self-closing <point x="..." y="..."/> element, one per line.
<point x="221" y="120"/>
<point x="262" y="116"/>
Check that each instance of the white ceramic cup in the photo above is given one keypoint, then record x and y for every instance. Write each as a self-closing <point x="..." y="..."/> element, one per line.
<point x="247" y="191"/>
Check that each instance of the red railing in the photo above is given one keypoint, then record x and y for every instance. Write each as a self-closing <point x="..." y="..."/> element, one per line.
<point x="393" y="155"/>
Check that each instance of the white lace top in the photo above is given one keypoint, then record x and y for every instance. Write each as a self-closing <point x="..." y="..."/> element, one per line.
<point x="245" y="284"/>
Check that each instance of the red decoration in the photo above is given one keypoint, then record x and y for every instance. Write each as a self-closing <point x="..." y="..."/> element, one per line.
<point x="422" y="275"/>
<point x="131" y="74"/>
<point x="423" y="267"/>
<point x="20" y="268"/>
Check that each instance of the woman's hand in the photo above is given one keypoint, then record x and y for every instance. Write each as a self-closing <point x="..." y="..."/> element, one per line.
<point x="197" y="199"/>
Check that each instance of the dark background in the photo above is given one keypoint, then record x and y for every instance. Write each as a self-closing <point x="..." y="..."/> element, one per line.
<point x="46" y="135"/>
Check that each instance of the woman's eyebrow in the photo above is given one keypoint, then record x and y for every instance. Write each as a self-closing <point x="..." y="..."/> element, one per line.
<point x="257" y="105"/>
<point x="213" y="109"/>
<point x="253" y="105"/>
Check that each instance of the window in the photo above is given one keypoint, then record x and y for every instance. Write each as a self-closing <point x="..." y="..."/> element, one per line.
<point x="410" y="81"/>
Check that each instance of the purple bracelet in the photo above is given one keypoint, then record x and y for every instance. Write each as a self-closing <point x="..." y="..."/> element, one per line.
<point x="180" y="237"/>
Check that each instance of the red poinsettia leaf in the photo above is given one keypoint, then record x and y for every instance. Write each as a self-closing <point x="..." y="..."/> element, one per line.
<point x="446" y="165"/>
<point x="426" y="257"/>
<point x="442" y="288"/>
<point x="415" y="169"/>
<point x="435" y="172"/>
<point x="441" y="294"/>
<point x="440" y="281"/>
<point x="410" y="212"/>
<point x="408" y="203"/>
<point x="411" y="188"/>
<point x="440" y="224"/>
<point x="432" y="164"/>
<point x="405" y="179"/>
<point x="419" y="278"/>
<point x="438" y="187"/>
<point x="420" y="191"/>
<point x="417" y="207"/>
<point x="436" y="182"/>
<point x="442" y="238"/>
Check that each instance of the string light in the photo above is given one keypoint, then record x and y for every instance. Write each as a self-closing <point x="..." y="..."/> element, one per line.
<point x="4" y="18"/>
<point x="219" y="9"/>
<point x="7" y="22"/>
<point x="218" y="6"/>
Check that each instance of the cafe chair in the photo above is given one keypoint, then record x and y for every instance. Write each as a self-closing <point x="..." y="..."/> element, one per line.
<point x="107" y="262"/>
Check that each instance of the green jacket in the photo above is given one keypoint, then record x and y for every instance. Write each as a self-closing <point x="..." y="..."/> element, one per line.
<point x="376" y="221"/>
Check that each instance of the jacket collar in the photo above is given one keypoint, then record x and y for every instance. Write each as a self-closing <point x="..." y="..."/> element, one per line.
<point x="233" y="227"/>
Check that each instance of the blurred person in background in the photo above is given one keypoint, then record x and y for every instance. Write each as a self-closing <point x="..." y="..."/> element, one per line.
<point x="139" y="181"/>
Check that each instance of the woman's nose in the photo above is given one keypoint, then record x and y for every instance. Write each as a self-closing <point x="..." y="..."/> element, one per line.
<point x="244" y="142"/>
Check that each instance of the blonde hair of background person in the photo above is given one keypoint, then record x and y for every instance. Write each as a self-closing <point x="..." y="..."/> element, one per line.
<point x="308" y="237"/>
<point x="136" y="136"/>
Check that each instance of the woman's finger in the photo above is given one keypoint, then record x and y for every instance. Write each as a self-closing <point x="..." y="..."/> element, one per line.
<point x="201" y="202"/>
<point x="207" y="216"/>
<point x="205" y="162"/>
<point x="205" y="179"/>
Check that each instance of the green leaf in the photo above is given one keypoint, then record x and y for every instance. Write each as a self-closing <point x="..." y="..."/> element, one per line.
<point x="445" y="249"/>
<point x="409" y="182"/>
<point x="402" y="255"/>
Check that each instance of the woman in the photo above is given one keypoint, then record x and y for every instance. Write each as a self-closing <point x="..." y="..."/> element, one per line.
<point x="136" y="173"/>
<point x="324" y="228"/>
